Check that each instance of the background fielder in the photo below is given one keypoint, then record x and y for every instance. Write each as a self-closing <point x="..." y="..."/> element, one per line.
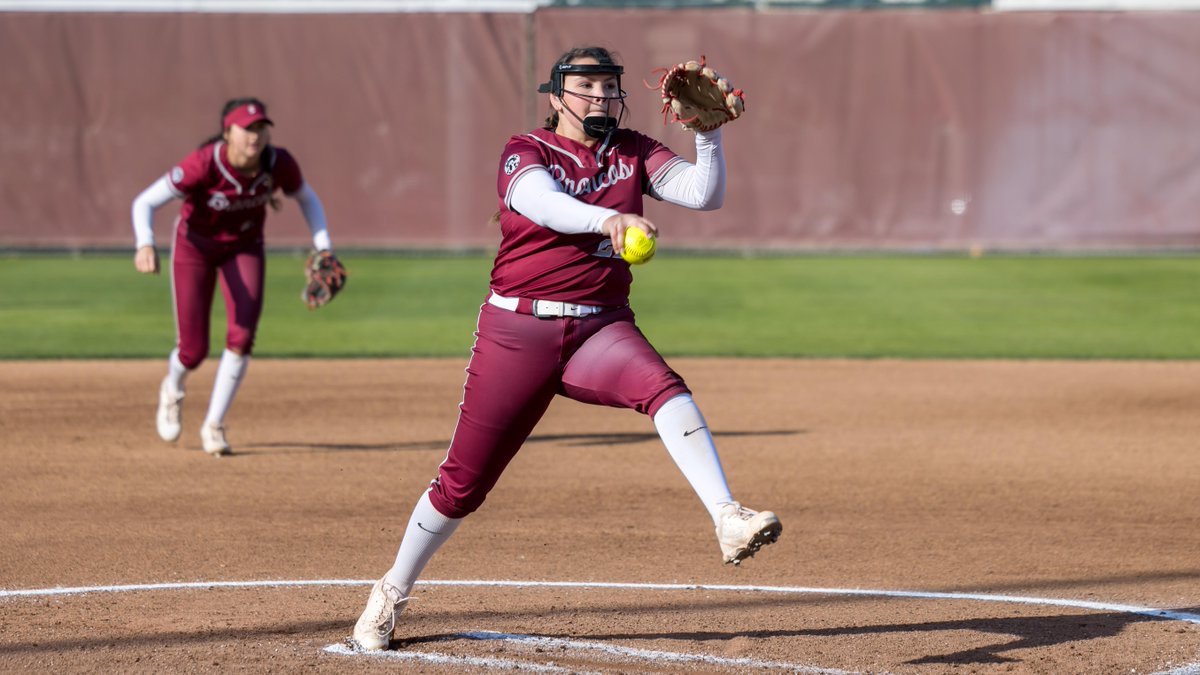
<point x="226" y="185"/>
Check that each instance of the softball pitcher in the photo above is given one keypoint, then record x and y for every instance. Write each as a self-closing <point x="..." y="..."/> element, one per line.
<point x="225" y="186"/>
<point x="557" y="319"/>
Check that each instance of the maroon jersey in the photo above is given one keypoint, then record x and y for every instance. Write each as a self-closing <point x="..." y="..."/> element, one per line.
<point x="540" y="263"/>
<point x="222" y="204"/>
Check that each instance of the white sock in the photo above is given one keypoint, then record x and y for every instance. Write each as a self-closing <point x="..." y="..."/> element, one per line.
<point x="427" y="530"/>
<point x="225" y="386"/>
<point x="685" y="433"/>
<point x="176" y="371"/>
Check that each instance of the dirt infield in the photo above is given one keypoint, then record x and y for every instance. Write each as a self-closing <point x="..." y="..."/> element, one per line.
<point x="966" y="517"/>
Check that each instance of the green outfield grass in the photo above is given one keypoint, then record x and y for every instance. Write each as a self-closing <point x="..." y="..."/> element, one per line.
<point x="97" y="306"/>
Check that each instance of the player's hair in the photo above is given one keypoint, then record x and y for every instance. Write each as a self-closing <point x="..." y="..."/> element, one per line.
<point x="268" y="152"/>
<point x="603" y="57"/>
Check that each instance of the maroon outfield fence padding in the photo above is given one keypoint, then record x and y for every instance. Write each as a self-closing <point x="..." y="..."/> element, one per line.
<point x="881" y="129"/>
<point x="396" y="119"/>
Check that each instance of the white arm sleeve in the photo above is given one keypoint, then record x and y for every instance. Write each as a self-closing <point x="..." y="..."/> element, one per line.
<point x="538" y="197"/>
<point x="698" y="186"/>
<point x="144" y="206"/>
<point x="314" y="215"/>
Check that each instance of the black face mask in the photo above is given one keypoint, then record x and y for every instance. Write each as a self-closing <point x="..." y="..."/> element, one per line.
<point x="598" y="126"/>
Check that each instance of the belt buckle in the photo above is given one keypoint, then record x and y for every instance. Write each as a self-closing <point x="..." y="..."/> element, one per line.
<point x="554" y="309"/>
<point x="548" y="309"/>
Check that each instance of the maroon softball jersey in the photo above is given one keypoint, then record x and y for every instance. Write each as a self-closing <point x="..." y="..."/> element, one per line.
<point x="219" y="236"/>
<point x="520" y="362"/>
<point x="221" y="203"/>
<point x="535" y="261"/>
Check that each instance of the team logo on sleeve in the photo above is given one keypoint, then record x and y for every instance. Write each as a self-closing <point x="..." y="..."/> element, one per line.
<point x="511" y="164"/>
<point x="177" y="175"/>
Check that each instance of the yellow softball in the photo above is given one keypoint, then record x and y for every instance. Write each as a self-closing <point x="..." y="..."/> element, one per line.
<point x="639" y="247"/>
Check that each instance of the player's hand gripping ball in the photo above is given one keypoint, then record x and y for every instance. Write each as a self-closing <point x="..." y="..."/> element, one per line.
<point x="639" y="246"/>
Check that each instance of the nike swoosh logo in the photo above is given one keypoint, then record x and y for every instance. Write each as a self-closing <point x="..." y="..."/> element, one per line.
<point x="689" y="433"/>
<point x="426" y="528"/>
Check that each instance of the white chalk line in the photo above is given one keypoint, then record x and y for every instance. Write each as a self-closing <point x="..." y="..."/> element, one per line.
<point x="624" y="654"/>
<point x="178" y="586"/>
<point x="342" y="649"/>
<point x="650" y="654"/>
<point x="1189" y="669"/>
<point x="932" y="595"/>
<point x="1186" y="669"/>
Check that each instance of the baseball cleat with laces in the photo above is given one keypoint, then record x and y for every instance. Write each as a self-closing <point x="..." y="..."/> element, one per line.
<point x="742" y="531"/>
<point x="213" y="439"/>
<point x="373" y="631"/>
<point x="170" y="404"/>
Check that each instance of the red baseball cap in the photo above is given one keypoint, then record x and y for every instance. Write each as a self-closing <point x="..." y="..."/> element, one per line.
<point x="245" y="115"/>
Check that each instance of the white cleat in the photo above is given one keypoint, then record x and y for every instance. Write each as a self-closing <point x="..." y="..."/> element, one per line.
<point x="373" y="631"/>
<point x="741" y="532"/>
<point x="213" y="438"/>
<point x="170" y="405"/>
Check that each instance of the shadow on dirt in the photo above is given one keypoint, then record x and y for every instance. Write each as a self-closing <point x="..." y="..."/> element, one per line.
<point x="570" y="440"/>
<point x="1020" y="632"/>
<point x="1030" y="633"/>
<point x="585" y="440"/>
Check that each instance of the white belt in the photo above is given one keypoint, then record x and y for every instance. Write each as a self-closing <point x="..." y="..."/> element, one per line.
<point x="545" y="308"/>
